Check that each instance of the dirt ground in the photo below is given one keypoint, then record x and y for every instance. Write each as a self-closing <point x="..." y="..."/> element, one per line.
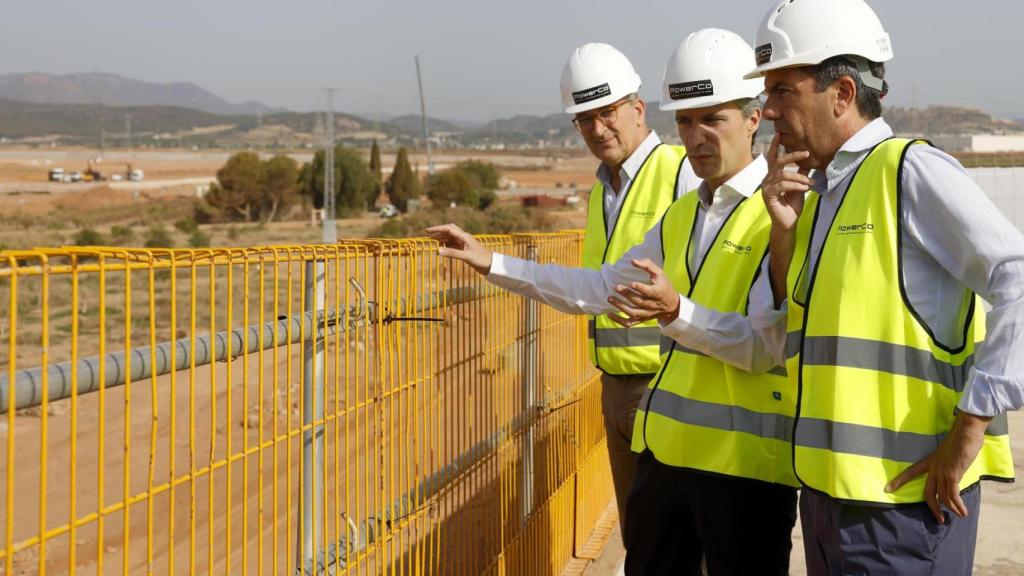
<point x="1000" y="549"/>
<point x="35" y="212"/>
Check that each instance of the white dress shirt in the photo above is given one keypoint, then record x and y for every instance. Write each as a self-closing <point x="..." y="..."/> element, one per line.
<point x="585" y="291"/>
<point x="953" y="237"/>
<point x="613" y="199"/>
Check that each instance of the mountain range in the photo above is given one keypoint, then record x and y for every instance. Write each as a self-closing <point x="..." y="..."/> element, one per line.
<point x="114" y="90"/>
<point x="86" y="108"/>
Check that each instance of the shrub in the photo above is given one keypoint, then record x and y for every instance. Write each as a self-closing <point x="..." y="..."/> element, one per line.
<point x="500" y="220"/>
<point x="187" y="226"/>
<point x="199" y="240"/>
<point x="121" y="235"/>
<point x="157" y="237"/>
<point x="89" y="237"/>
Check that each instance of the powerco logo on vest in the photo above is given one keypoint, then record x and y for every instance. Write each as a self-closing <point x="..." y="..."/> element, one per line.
<point x="591" y="94"/>
<point x="684" y="90"/>
<point x="642" y="214"/>
<point x="865" y="228"/>
<point x="763" y="54"/>
<point x="735" y="248"/>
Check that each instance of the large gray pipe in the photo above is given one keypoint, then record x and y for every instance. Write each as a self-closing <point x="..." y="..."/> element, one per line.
<point x="28" y="383"/>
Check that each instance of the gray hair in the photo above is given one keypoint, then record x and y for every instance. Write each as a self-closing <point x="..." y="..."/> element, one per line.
<point x="869" y="100"/>
<point x="748" y="106"/>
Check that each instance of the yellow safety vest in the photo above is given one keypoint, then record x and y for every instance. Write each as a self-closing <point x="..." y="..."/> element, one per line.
<point x="699" y="412"/>
<point x="877" y="392"/>
<point x="614" y="349"/>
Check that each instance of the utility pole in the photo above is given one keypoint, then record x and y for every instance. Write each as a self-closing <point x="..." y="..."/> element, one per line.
<point x="314" y="368"/>
<point x="423" y="114"/>
<point x="128" y="133"/>
<point x="330" y="233"/>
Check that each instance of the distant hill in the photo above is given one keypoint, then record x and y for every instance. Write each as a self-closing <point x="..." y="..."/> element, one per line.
<point x="178" y="125"/>
<point x="413" y="124"/>
<point x="114" y="90"/>
<point x="29" y="119"/>
<point x="84" y="123"/>
<point x="946" y="120"/>
<point x="525" y="128"/>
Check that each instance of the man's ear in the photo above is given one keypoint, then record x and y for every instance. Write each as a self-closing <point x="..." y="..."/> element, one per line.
<point x="845" y="90"/>
<point x="753" y="122"/>
<point x="641" y="108"/>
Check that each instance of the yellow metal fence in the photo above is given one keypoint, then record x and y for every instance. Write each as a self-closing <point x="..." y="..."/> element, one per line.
<point x="360" y="408"/>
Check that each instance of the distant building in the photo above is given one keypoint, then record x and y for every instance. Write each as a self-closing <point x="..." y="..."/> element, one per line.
<point x="985" y="143"/>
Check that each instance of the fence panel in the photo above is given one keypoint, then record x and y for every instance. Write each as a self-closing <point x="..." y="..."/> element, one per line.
<point x="360" y="408"/>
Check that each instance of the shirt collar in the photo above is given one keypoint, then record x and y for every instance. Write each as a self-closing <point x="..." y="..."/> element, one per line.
<point x="850" y="154"/>
<point x="632" y="165"/>
<point x="744" y="183"/>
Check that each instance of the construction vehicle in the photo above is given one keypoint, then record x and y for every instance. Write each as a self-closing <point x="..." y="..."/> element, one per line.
<point x="134" y="175"/>
<point x="91" y="174"/>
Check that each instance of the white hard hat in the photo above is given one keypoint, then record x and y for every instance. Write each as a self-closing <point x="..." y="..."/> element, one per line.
<point x="707" y="69"/>
<point x="596" y="75"/>
<point x="808" y="32"/>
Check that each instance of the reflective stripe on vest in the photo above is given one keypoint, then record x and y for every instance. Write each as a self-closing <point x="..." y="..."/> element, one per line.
<point x="615" y="349"/>
<point x="701" y="413"/>
<point x="877" y="391"/>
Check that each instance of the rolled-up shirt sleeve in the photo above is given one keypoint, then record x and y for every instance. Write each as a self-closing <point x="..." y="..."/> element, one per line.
<point x="754" y="343"/>
<point x="952" y="219"/>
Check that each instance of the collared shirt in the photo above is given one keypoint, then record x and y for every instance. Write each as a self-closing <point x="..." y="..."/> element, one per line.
<point x="954" y="237"/>
<point x="627" y="173"/>
<point x="585" y="291"/>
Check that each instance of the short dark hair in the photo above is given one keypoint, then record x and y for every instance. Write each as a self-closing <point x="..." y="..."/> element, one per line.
<point x="869" y="100"/>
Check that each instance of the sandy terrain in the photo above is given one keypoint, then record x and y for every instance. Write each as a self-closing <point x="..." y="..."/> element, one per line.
<point x="1000" y="550"/>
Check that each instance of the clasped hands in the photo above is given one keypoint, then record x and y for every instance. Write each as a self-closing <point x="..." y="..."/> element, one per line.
<point x="640" y="302"/>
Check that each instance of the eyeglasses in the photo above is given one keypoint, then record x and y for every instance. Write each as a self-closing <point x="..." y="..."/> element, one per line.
<point x="606" y="117"/>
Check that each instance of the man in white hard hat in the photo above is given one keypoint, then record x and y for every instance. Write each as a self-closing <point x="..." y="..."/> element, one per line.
<point x="900" y="413"/>
<point x="638" y="178"/>
<point x="714" y="478"/>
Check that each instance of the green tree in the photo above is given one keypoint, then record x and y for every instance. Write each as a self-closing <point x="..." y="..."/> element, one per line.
<point x="354" y="184"/>
<point x="376" y="169"/>
<point x="484" y="174"/>
<point x="239" y="187"/>
<point x="451" y="186"/>
<point x="280" y="186"/>
<point x="403" y="185"/>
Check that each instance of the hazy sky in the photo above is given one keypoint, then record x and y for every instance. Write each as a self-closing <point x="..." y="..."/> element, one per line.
<point x="480" y="59"/>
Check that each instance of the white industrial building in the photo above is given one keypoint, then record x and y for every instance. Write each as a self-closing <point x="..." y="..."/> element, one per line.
<point x="980" y="143"/>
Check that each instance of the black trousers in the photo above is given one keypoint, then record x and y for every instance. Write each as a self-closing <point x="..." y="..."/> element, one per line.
<point x="676" y="517"/>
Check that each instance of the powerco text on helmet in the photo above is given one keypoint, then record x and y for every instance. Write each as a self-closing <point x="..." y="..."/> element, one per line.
<point x="808" y="32"/>
<point x="596" y="75"/>
<point x="707" y="69"/>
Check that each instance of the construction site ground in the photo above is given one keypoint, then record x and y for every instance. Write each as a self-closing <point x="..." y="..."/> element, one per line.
<point x="1000" y="550"/>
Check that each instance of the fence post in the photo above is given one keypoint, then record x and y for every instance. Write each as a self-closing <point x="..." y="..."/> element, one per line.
<point x="529" y="389"/>
<point x="310" y="515"/>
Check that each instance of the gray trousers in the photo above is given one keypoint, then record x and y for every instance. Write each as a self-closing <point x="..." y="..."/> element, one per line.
<point x="842" y="538"/>
<point x="620" y="396"/>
